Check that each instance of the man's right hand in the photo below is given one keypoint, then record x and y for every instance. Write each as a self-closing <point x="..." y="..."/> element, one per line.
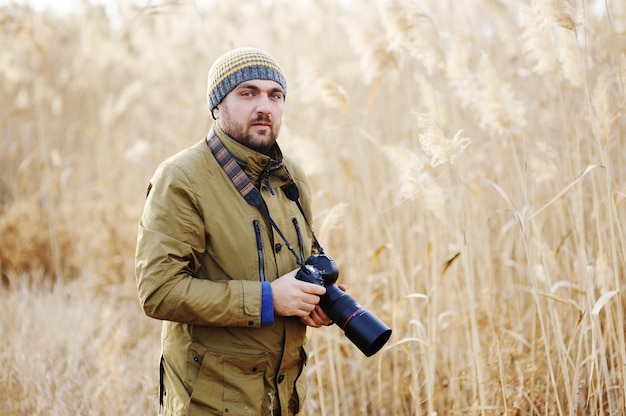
<point x="293" y="297"/>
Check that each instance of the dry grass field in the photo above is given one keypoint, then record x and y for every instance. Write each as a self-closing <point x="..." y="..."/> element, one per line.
<point x="468" y="167"/>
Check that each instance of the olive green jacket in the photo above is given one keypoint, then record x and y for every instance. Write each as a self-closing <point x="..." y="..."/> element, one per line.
<point x="202" y="252"/>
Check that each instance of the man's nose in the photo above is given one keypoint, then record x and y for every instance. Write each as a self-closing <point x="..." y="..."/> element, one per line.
<point x="263" y="104"/>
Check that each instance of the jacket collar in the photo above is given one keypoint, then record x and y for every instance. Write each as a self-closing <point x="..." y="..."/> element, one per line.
<point x="255" y="164"/>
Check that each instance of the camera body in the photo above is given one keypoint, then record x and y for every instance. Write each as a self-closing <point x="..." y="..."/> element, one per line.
<point x="361" y="326"/>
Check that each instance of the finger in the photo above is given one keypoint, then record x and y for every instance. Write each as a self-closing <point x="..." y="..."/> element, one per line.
<point x="312" y="288"/>
<point x="322" y="315"/>
<point x="315" y="316"/>
<point x="319" y="317"/>
<point x="306" y="307"/>
<point x="308" y="321"/>
<point x="312" y="299"/>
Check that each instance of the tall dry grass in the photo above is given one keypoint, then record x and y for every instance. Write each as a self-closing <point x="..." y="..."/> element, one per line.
<point x="467" y="166"/>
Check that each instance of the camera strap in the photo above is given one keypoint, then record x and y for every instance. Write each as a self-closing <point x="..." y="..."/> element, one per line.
<point x="251" y="194"/>
<point x="292" y="192"/>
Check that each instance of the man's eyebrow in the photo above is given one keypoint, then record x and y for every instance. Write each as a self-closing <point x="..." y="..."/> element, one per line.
<point x="253" y="86"/>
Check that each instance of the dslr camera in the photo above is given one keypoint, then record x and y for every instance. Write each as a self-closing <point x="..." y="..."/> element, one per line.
<point x="361" y="326"/>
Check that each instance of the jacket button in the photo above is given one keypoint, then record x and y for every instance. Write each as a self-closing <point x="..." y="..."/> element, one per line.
<point x="195" y="359"/>
<point x="281" y="378"/>
<point x="250" y="323"/>
<point x="278" y="247"/>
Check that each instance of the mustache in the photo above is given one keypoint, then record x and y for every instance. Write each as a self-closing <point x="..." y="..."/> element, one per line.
<point x="263" y="118"/>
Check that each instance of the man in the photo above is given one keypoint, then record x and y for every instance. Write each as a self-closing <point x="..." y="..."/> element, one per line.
<point x="217" y="262"/>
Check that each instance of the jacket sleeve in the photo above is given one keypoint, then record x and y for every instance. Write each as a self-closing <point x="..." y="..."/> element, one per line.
<point x="170" y="244"/>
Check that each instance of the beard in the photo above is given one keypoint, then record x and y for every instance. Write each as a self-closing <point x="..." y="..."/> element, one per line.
<point x="261" y="141"/>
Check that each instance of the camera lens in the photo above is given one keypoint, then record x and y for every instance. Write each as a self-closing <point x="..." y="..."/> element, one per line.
<point x="367" y="332"/>
<point x="361" y="326"/>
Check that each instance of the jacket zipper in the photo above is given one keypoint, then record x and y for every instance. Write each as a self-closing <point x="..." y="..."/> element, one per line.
<point x="267" y="183"/>
<point x="264" y="176"/>
<point x="297" y="227"/>
<point x="259" y="247"/>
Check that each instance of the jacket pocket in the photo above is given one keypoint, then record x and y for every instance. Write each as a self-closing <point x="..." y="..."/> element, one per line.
<point x="227" y="383"/>
<point x="300" y="386"/>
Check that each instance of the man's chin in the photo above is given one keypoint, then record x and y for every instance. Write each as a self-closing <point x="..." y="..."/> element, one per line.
<point x="260" y="143"/>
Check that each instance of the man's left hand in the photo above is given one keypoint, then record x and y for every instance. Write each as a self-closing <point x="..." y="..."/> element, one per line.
<point x="317" y="318"/>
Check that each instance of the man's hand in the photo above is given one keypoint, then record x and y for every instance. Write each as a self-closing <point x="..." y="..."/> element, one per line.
<point x="318" y="318"/>
<point x="293" y="297"/>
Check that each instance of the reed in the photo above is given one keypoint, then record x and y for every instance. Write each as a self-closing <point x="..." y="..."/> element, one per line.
<point x="466" y="163"/>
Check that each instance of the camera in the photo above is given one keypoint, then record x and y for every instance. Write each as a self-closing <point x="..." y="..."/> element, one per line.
<point x="361" y="326"/>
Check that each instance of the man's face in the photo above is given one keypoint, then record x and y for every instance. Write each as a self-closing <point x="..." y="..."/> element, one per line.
<point x="252" y="113"/>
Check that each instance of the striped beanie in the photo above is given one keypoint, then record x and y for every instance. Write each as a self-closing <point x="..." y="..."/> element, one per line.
<point x="237" y="66"/>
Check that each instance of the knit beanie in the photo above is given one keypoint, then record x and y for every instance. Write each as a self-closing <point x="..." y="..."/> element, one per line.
<point x="237" y="66"/>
